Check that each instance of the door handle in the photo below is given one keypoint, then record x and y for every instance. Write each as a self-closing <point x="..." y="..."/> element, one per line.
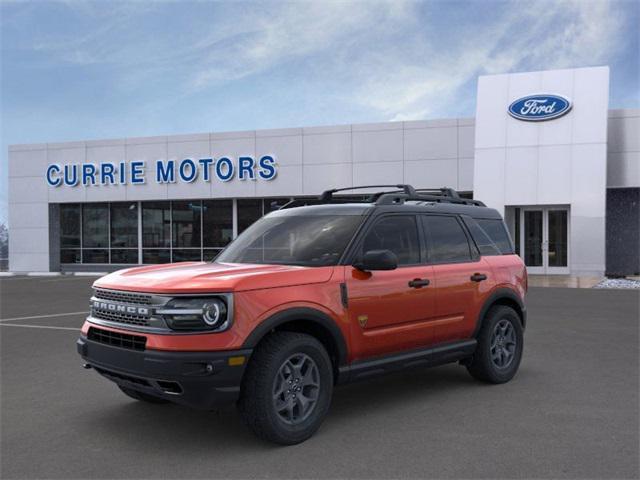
<point x="419" y="282"/>
<point x="478" y="277"/>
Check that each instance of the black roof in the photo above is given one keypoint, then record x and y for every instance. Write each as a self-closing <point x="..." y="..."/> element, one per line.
<point x="403" y="198"/>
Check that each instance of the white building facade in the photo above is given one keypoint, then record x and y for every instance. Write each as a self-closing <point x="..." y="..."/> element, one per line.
<point x="544" y="149"/>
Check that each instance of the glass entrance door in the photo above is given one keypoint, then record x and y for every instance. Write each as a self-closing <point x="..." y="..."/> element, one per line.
<point x="544" y="242"/>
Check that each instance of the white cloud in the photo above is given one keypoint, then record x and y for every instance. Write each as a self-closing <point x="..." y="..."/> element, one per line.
<point x="390" y="57"/>
<point x="529" y="36"/>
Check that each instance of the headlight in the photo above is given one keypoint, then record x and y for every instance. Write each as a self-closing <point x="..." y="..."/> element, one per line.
<point x="196" y="314"/>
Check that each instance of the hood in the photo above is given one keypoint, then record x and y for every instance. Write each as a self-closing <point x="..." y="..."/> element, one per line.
<point x="203" y="277"/>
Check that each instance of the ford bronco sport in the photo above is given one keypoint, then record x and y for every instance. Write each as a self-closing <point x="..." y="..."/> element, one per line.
<point x="314" y="296"/>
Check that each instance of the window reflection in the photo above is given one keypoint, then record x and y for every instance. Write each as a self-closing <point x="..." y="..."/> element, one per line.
<point x="95" y="225"/>
<point x="217" y="223"/>
<point x="172" y="231"/>
<point x="249" y="210"/>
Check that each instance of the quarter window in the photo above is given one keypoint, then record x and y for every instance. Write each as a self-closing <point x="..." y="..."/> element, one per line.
<point x="497" y="232"/>
<point x="398" y="234"/>
<point x="446" y="240"/>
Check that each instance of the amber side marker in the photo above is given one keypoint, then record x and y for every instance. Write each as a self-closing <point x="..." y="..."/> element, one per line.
<point x="236" y="361"/>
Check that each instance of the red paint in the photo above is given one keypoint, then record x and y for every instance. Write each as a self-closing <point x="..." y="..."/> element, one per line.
<point x="398" y="317"/>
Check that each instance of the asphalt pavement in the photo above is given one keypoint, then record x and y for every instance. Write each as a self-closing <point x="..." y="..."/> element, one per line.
<point x="571" y="412"/>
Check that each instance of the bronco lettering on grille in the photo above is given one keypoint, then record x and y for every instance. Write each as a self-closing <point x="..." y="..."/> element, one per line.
<point x="126" y="309"/>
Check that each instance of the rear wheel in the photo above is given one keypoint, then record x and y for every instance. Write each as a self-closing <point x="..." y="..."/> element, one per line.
<point x="143" y="397"/>
<point x="287" y="388"/>
<point x="500" y="344"/>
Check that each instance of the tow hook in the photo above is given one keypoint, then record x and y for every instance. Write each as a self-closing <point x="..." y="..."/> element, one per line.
<point x="86" y="366"/>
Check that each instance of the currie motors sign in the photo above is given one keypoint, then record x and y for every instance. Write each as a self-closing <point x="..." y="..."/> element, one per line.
<point x="137" y="172"/>
<point x="536" y="108"/>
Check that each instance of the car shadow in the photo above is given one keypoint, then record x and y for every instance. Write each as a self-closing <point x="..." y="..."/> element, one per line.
<point x="192" y="432"/>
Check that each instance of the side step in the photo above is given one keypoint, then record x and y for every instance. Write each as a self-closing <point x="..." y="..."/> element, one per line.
<point x="433" y="356"/>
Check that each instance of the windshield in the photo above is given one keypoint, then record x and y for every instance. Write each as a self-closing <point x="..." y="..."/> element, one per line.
<point x="313" y="240"/>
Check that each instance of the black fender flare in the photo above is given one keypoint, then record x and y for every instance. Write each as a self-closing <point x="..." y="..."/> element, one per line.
<point x="498" y="297"/>
<point x="300" y="314"/>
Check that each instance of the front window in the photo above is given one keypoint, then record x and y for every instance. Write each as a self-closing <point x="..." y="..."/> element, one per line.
<point x="313" y="240"/>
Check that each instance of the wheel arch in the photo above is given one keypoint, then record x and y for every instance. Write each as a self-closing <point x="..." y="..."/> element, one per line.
<point x="506" y="297"/>
<point x="305" y="320"/>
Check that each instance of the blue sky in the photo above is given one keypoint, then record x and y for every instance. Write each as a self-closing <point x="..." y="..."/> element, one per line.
<point x="83" y="70"/>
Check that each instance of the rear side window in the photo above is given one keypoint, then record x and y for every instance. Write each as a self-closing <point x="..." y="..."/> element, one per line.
<point x="497" y="232"/>
<point x="397" y="233"/>
<point x="484" y="243"/>
<point x="446" y="240"/>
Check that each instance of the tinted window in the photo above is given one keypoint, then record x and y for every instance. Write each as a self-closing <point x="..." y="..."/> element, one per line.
<point x="124" y="225"/>
<point x="95" y="228"/>
<point x="156" y="224"/>
<point x="185" y="218"/>
<point x="217" y="222"/>
<point x="249" y="210"/>
<point x="482" y="240"/>
<point x="446" y="240"/>
<point x="398" y="234"/>
<point x="293" y="240"/>
<point x="498" y="233"/>
<point x="70" y="226"/>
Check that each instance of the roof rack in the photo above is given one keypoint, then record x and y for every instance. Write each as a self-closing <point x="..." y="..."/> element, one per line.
<point x="327" y="195"/>
<point x="403" y="193"/>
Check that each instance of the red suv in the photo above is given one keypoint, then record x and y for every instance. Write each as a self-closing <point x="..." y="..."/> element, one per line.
<point x="314" y="296"/>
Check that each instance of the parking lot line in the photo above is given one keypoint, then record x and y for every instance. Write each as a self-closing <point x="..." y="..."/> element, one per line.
<point x="38" y="326"/>
<point x="34" y="317"/>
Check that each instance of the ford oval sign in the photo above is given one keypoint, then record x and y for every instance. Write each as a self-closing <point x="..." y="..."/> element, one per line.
<point x="536" y="108"/>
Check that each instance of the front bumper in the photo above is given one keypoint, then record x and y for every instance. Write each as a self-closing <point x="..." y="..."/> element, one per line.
<point x="203" y="380"/>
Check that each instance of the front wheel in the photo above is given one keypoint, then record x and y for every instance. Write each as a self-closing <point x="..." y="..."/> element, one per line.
<point x="287" y="388"/>
<point x="500" y="344"/>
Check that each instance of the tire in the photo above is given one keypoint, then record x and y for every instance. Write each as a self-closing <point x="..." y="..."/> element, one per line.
<point x="143" y="397"/>
<point x="498" y="362"/>
<point x="285" y="368"/>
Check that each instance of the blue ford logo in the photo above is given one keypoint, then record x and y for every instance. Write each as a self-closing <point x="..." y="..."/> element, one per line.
<point x="535" y="108"/>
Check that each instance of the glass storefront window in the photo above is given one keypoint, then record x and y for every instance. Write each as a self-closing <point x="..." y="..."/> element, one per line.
<point x="69" y="226"/>
<point x="217" y="223"/>
<point x="95" y="255"/>
<point x="172" y="231"/>
<point x="127" y="255"/>
<point x="186" y="255"/>
<point x="156" y="256"/>
<point x="70" y="255"/>
<point x="95" y="225"/>
<point x="249" y="210"/>
<point x="156" y="224"/>
<point x="273" y="204"/>
<point x="186" y="224"/>
<point x="209" y="254"/>
<point x="124" y="225"/>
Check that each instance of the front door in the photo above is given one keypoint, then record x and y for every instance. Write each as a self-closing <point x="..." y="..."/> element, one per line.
<point x="391" y="310"/>
<point x="544" y="242"/>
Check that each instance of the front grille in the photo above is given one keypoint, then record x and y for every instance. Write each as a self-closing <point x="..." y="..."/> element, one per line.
<point x="116" y="339"/>
<point x="119" y="317"/>
<point x="124" y="297"/>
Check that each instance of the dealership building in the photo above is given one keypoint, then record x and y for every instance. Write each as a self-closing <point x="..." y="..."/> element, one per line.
<point x="544" y="149"/>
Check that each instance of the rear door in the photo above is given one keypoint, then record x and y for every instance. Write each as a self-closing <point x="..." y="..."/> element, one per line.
<point x="390" y="310"/>
<point x="461" y="277"/>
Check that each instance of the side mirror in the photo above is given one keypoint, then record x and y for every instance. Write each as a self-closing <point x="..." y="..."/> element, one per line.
<point x="377" y="260"/>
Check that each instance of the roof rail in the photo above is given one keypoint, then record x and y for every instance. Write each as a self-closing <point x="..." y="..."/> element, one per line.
<point x="402" y="194"/>
<point x="440" y="195"/>
<point x="327" y="195"/>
